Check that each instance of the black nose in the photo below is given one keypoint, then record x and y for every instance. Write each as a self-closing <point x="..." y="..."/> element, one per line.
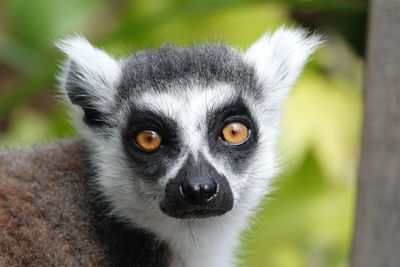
<point x="198" y="193"/>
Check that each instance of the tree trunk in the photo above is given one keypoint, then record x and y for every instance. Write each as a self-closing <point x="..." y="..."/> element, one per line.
<point x="377" y="229"/>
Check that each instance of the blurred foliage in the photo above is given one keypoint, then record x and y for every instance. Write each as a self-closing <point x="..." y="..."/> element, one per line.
<point x="307" y="220"/>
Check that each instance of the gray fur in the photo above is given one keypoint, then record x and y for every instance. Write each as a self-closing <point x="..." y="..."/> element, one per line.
<point x="172" y="67"/>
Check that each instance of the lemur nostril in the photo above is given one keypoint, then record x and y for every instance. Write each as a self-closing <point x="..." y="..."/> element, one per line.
<point x="209" y="190"/>
<point x="198" y="193"/>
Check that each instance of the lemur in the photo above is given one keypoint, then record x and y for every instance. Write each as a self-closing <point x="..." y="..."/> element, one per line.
<point x="176" y="150"/>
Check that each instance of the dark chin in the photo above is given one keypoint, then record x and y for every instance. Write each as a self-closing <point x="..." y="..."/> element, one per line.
<point x="192" y="213"/>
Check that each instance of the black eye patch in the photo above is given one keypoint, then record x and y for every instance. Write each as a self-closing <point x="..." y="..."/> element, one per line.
<point x="237" y="155"/>
<point x="151" y="164"/>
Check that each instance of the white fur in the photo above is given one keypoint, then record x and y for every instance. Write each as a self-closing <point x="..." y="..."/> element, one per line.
<point x="210" y="242"/>
<point x="99" y="72"/>
<point x="279" y="58"/>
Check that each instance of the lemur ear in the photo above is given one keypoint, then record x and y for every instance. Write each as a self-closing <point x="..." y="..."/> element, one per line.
<point x="279" y="58"/>
<point x="89" y="77"/>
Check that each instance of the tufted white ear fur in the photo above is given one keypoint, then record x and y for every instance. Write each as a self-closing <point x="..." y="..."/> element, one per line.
<point x="279" y="58"/>
<point x="89" y="75"/>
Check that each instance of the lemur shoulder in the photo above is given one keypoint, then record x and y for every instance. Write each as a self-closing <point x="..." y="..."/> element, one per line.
<point x="50" y="214"/>
<point x="176" y="149"/>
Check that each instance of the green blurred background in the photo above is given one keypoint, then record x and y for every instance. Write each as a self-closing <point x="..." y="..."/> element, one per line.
<point x="308" y="219"/>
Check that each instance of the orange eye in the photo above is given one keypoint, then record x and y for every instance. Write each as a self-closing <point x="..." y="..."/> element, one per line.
<point x="148" y="140"/>
<point x="235" y="132"/>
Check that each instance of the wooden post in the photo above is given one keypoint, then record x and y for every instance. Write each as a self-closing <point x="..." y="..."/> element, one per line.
<point x="377" y="228"/>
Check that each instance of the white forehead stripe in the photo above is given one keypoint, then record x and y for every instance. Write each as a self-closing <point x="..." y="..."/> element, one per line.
<point x="189" y="105"/>
<point x="189" y="109"/>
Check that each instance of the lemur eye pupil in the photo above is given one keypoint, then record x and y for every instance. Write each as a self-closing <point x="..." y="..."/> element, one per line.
<point x="235" y="133"/>
<point x="148" y="140"/>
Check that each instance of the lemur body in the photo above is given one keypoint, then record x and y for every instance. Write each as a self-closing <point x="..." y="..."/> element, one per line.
<point x="51" y="215"/>
<point x="180" y="144"/>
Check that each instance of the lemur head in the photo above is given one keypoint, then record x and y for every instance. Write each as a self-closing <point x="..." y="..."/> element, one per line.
<point x="183" y="132"/>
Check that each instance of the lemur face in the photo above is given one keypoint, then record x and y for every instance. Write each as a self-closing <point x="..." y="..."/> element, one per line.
<point x="183" y="132"/>
<point x="190" y="133"/>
